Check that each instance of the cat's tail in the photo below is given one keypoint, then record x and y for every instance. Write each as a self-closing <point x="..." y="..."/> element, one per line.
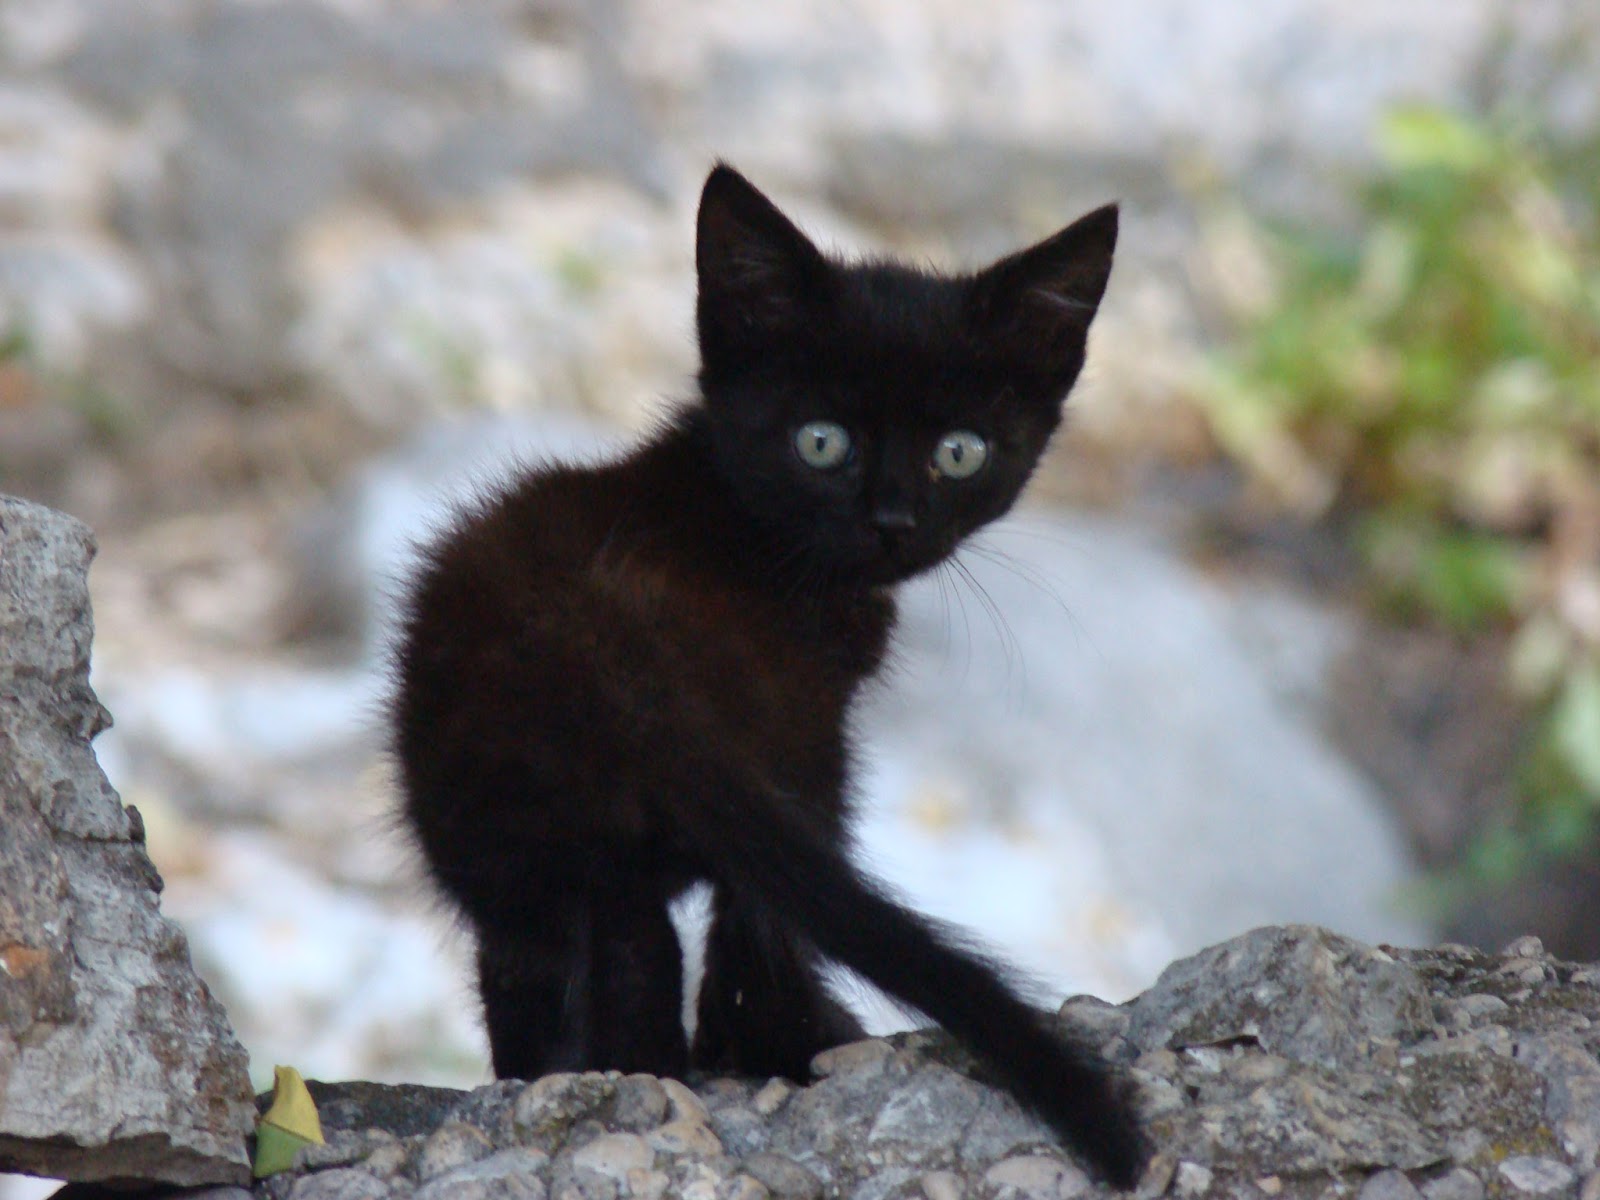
<point x="803" y="882"/>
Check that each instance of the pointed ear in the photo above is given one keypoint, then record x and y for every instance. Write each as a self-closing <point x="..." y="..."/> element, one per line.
<point x="756" y="270"/>
<point x="1038" y="303"/>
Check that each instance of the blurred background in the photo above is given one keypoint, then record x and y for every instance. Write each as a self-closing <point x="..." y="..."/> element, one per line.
<point x="1303" y="621"/>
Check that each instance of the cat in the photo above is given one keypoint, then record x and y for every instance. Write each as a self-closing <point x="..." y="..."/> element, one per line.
<point x="617" y="681"/>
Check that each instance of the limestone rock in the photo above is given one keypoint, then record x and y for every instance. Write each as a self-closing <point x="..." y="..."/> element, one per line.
<point x="1290" y="1063"/>
<point x="115" y="1061"/>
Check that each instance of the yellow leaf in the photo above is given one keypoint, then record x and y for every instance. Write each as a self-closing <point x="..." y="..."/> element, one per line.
<point x="289" y="1123"/>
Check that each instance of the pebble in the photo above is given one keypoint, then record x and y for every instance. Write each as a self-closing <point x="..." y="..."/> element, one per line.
<point x="942" y="1185"/>
<point x="742" y="1187"/>
<point x="343" y="1148"/>
<point x="641" y="1104"/>
<point x="1037" y="1175"/>
<point x="341" y="1183"/>
<point x="506" y="1175"/>
<point x="1537" y="1176"/>
<point x="548" y="1104"/>
<point x="1192" y="1179"/>
<point x="1591" y="1187"/>
<point x="686" y="1137"/>
<point x="1388" y="1185"/>
<point x="647" y="1185"/>
<point x="782" y="1176"/>
<point x="684" y="1103"/>
<point x="450" y="1146"/>
<point x="1526" y="946"/>
<point x="1482" y="1005"/>
<point x="868" y="1057"/>
<point x="1456" y="1184"/>
<point x="771" y="1097"/>
<point x="615" y="1154"/>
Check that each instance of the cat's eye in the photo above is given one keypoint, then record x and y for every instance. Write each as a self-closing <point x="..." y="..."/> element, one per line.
<point x="960" y="453"/>
<point x="822" y="444"/>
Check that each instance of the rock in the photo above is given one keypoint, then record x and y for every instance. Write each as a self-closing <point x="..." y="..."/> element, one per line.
<point x="1282" y="1100"/>
<point x="116" y="1063"/>
<point x="1292" y="991"/>
<point x="1532" y="1176"/>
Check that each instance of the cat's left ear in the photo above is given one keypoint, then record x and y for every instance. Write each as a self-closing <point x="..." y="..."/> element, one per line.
<point x="1038" y="303"/>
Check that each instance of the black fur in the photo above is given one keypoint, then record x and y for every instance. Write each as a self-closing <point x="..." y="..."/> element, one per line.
<point x="620" y="680"/>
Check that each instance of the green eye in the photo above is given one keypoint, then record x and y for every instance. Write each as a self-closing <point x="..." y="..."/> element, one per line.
<point x="960" y="453"/>
<point x="822" y="444"/>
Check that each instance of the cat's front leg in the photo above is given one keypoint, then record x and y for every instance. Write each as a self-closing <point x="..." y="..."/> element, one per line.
<point x="763" y="1010"/>
<point x="597" y="987"/>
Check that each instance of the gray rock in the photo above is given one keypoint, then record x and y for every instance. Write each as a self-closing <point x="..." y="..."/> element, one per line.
<point x="116" y="1062"/>
<point x="1455" y="1184"/>
<point x="1328" y="1080"/>
<point x="1532" y="1176"/>
<point x="1389" y="1185"/>
<point x="1292" y="991"/>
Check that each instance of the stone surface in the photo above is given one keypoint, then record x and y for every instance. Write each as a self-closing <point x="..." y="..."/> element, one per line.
<point x="115" y="1060"/>
<point x="1329" y="1078"/>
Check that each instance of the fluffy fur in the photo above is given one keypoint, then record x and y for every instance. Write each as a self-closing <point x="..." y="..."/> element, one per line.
<point x="617" y="681"/>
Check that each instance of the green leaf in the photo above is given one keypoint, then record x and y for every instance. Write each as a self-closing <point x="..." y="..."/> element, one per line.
<point x="289" y="1123"/>
<point x="1415" y="136"/>
<point x="1575" y="726"/>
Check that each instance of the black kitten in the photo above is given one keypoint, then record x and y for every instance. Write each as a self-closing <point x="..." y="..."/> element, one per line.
<point x="617" y="681"/>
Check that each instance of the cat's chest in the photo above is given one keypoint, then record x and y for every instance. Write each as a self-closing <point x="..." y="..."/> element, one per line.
<point x="758" y="680"/>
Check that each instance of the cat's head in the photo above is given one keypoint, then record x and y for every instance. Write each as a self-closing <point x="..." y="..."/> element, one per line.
<point x="874" y="414"/>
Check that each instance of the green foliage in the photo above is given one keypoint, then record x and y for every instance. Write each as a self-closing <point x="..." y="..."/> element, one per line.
<point x="1435" y="376"/>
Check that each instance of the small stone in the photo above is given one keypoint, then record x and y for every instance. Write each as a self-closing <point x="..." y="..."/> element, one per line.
<point x="782" y="1176"/>
<point x="343" y="1148"/>
<point x="686" y="1137"/>
<point x="1526" y="946"/>
<point x="1591" y="1187"/>
<point x="1388" y="1185"/>
<point x="1270" y="1184"/>
<point x="685" y="1104"/>
<point x="546" y="1109"/>
<point x="1157" y="1178"/>
<point x="942" y="1185"/>
<point x="386" y="1161"/>
<point x="742" y="1131"/>
<point x="615" y="1154"/>
<point x="1037" y="1175"/>
<point x="1482" y="1005"/>
<point x="1254" y="1068"/>
<point x="342" y="1183"/>
<point x="1191" y="1179"/>
<point x="1587" y="976"/>
<point x="771" y="1097"/>
<point x="506" y="1175"/>
<point x="1159" y="1063"/>
<point x="864" y="1058"/>
<point x="1456" y="1184"/>
<point x="641" y="1104"/>
<point x="647" y="1185"/>
<point x="452" y="1145"/>
<point x="1537" y="1176"/>
<point x="1094" y="1018"/>
<point x="1527" y="970"/>
<point x="742" y="1187"/>
<point x="1209" y="1059"/>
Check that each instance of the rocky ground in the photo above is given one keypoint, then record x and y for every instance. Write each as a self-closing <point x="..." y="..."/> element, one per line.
<point x="248" y="249"/>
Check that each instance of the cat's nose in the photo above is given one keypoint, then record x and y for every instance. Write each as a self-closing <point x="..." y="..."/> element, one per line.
<point x="894" y="518"/>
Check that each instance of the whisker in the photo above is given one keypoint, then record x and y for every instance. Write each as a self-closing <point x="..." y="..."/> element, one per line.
<point x="1009" y="646"/>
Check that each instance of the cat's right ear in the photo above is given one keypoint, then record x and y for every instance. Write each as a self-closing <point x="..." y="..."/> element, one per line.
<point x="757" y="271"/>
